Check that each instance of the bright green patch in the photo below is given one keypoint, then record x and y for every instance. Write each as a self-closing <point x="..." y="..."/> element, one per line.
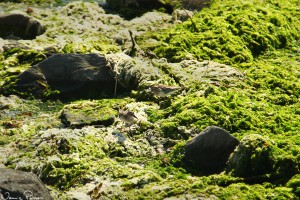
<point x="233" y="33"/>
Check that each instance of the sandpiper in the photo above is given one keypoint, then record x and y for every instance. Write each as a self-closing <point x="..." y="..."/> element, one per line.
<point x="163" y="90"/>
<point x="127" y="116"/>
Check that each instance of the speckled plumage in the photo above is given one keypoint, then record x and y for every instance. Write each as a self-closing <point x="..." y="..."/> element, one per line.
<point x="163" y="90"/>
<point x="127" y="116"/>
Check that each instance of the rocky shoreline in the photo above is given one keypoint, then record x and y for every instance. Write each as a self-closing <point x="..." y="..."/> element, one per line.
<point x="214" y="92"/>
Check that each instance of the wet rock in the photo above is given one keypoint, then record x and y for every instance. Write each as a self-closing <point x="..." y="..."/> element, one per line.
<point x="18" y="26"/>
<point x="70" y="75"/>
<point x="253" y="157"/>
<point x="209" y="151"/>
<point x="15" y="184"/>
<point x="87" y="113"/>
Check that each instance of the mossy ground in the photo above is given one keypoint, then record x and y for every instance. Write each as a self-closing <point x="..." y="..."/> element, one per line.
<point x="259" y="38"/>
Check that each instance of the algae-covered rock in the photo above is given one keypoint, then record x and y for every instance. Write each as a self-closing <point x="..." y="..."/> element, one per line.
<point x="88" y="113"/>
<point x="189" y="73"/>
<point x="131" y="72"/>
<point x="209" y="151"/>
<point x="71" y="155"/>
<point x="253" y="157"/>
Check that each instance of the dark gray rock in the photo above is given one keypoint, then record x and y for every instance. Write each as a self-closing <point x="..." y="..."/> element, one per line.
<point x="15" y="184"/>
<point x="72" y="75"/>
<point x="209" y="151"/>
<point x="18" y="26"/>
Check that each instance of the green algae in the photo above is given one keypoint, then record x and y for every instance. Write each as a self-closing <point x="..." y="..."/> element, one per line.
<point x="266" y="103"/>
<point x="88" y="113"/>
<point x="16" y="60"/>
<point x="294" y="183"/>
<point x="254" y="156"/>
<point x="232" y="33"/>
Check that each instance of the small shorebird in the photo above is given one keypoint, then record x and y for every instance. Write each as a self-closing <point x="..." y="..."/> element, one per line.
<point x="127" y="116"/>
<point x="163" y="90"/>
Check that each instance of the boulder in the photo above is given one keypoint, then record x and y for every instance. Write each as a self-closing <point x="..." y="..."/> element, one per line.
<point x="15" y="184"/>
<point x="18" y="26"/>
<point x="209" y="151"/>
<point x="70" y="75"/>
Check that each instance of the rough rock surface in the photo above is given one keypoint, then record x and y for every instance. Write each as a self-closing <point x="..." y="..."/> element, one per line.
<point x="191" y="72"/>
<point x="15" y="184"/>
<point x="208" y="152"/>
<point x="253" y="157"/>
<point x="19" y="26"/>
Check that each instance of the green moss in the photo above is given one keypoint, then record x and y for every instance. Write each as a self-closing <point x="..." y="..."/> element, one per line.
<point x="253" y="157"/>
<point x="260" y="38"/>
<point x="233" y="33"/>
<point x="294" y="183"/>
<point x="62" y="172"/>
<point x="97" y="112"/>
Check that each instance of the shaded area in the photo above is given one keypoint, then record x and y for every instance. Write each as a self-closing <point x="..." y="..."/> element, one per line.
<point x="18" y="26"/>
<point x="136" y="8"/>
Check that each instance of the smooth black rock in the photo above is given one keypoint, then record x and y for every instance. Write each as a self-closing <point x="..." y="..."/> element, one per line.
<point x="72" y="75"/>
<point x="15" y="184"/>
<point x="209" y="151"/>
<point x="18" y="26"/>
